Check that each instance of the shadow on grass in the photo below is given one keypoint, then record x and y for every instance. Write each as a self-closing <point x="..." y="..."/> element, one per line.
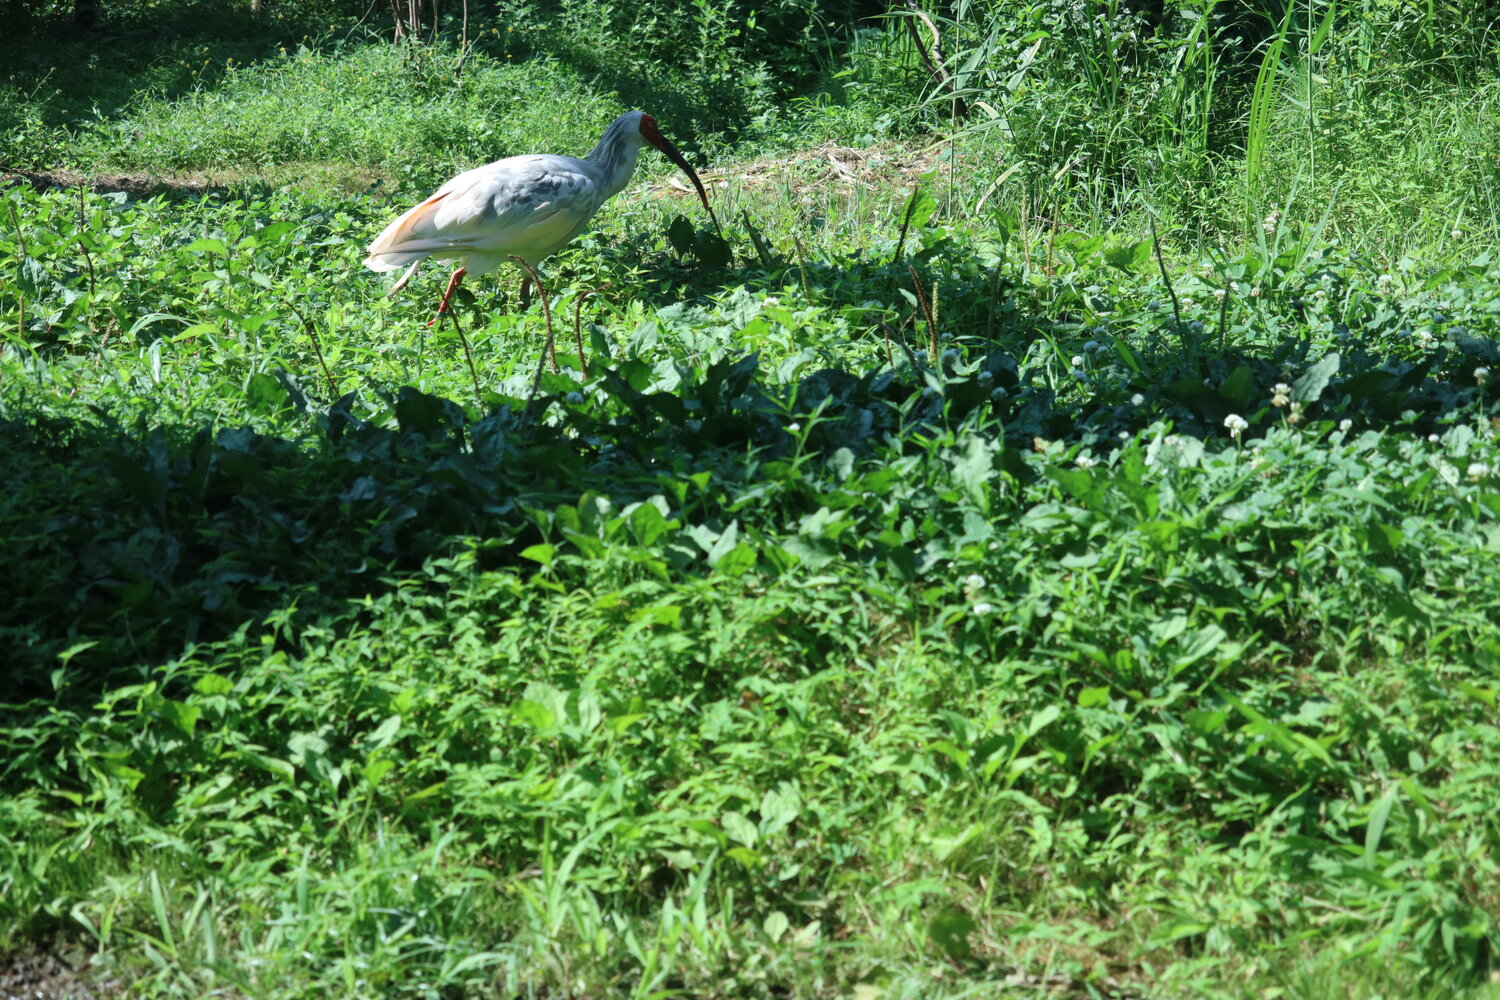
<point x="127" y="543"/>
<point x="69" y="75"/>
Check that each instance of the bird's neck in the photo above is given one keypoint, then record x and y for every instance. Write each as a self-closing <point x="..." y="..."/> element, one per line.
<point x="615" y="156"/>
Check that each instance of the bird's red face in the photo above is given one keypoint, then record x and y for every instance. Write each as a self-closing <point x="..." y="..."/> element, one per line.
<point x="651" y="132"/>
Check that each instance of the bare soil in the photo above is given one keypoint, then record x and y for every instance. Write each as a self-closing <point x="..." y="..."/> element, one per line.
<point x="819" y="167"/>
<point x="805" y="170"/>
<point x="136" y="185"/>
<point x="140" y="184"/>
<point x="51" y="976"/>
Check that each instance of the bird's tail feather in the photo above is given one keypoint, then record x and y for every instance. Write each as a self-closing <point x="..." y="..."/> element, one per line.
<point x="391" y="261"/>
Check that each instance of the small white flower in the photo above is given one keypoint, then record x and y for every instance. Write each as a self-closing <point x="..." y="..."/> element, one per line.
<point x="793" y="428"/>
<point x="973" y="581"/>
<point x="1269" y="223"/>
<point x="1187" y="303"/>
<point x="1281" y="394"/>
<point x="1478" y="471"/>
<point x="1234" y="286"/>
<point x="1424" y="337"/>
<point x="1219" y="294"/>
<point x="1384" y="282"/>
<point x="1084" y="462"/>
<point x="772" y="301"/>
<point x="1481" y="375"/>
<point x="983" y="608"/>
<point x="1077" y="361"/>
<point x="1320" y="295"/>
<point x="1346" y="425"/>
<point x="1137" y="399"/>
<point x="1255" y="291"/>
<point x="1456" y="233"/>
<point x="1237" y="425"/>
<point x="1433" y="439"/>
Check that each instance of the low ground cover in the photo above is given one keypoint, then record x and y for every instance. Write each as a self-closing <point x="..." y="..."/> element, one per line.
<point x="987" y="581"/>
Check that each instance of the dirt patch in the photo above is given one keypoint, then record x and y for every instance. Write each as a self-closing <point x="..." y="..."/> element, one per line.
<point x="134" y="185"/>
<point x="48" y="976"/>
<point x="817" y="168"/>
<point x="801" y="172"/>
<point x="313" y="177"/>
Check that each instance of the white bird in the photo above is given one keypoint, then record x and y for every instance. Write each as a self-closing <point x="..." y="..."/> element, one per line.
<point x="530" y="206"/>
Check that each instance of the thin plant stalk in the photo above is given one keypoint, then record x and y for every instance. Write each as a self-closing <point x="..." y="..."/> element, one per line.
<point x="928" y="312"/>
<point x="468" y="355"/>
<point x="802" y="265"/>
<point x="463" y="44"/>
<point x="88" y="258"/>
<point x="583" y="364"/>
<point x="759" y="241"/>
<point x="894" y="334"/>
<point x="541" y="291"/>
<point x="312" y="334"/>
<point x="1166" y="278"/>
<point x="1224" y="318"/>
<point x="20" y="235"/>
<point x="911" y="204"/>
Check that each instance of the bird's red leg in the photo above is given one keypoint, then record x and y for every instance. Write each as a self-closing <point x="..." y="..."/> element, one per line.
<point x="452" y="285"/>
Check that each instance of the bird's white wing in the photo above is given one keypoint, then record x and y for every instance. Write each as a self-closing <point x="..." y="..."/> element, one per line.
<point x="525" y="205"/>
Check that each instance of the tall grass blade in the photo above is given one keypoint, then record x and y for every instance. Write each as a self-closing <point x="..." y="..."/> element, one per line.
<point x="1262" y="108"/>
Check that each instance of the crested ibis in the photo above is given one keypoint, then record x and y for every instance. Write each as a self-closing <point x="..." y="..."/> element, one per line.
<point x="530" y="206"/>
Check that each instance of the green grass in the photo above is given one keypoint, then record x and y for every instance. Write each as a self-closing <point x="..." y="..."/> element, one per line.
<point x="973" y="617"/>
<point x="356" y="108"/>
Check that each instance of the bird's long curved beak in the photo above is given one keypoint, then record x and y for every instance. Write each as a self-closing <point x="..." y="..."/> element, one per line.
<point x="670" y="152"/>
